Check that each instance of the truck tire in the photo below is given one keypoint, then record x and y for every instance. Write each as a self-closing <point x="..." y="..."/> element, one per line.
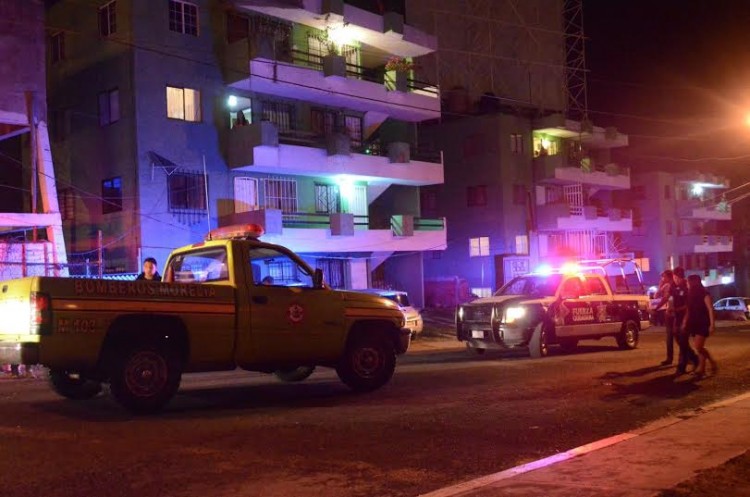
<point x="145" y="377"/>
<point x="539" y="345"/>
<point x="294" y="375"/>
<point x="73" y="386"/>
<point x="368" y="363"/>
<point x="627" y="339"/>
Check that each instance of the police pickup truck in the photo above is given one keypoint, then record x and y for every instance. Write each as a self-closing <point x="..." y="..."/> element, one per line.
<point x="559" y="307"/>
<point x="231" y="301"/>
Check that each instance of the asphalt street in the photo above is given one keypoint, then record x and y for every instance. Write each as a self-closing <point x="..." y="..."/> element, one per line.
<point x="446" y="417"/>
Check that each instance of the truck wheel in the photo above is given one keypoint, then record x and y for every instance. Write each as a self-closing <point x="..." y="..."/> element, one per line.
<point x="145" y="378"/>
<point x="538" y="345"/>
<point x="72" y="385"/>
<point x="294" y="375"/>
<point x="627" y="339"/>
<point x="368" y="363"/>
<point x="568" y="345"/>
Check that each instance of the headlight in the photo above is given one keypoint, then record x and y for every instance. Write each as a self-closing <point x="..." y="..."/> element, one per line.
<point x="513" y="314"/>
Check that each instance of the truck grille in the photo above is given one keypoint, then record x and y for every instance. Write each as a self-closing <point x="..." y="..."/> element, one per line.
<point x="478" y="314"/>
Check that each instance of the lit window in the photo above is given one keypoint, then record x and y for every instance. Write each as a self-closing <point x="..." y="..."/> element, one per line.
<point x="281" y="194"/>
<point x="109" y="107"/>
<point x="111" y="195"/>
<point x="183" y="104"/>
<point x="183" y="17"/>
<point x="482" y="292"/>
<point x="479" y="246"/>
<point x="187" y="192"/>
<point x="522" y="244"/>
<point x="108" y="19"/>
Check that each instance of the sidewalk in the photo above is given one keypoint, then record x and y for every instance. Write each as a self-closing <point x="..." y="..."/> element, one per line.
<point x="641" y="463"/>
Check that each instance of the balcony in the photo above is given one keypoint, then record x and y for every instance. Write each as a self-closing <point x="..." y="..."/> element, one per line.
<point x="595" y="137"/>
<point x="386" y="32"/>
<point x="706" y="244"/>
<point x="329" y="81"/>
<point x="692" y="209"/>
<point x="562" y="217"/>
<point x="260" y="147"/>
<point x="559" y="170"/>
<point x="312" y="232"/>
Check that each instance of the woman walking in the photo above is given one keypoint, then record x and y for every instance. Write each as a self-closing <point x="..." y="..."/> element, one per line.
<point x="699" y="322"/>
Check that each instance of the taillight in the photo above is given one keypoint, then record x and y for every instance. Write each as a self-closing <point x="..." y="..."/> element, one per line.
<point x="41" y="313"/>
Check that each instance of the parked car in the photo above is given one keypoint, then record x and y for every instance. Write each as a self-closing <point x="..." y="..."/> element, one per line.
<point x="735" y="308"/>
<point x="413" y="317"/>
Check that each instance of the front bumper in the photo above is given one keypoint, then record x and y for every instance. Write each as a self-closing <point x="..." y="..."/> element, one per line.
<point x="19" y="353"/>
<point x="506" y="337"/>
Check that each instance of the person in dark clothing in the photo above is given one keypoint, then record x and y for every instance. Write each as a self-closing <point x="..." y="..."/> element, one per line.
<point x="679" y="300"/>
<point x="149" y="270"/>
<point x="699" y="322"/>
<point x="665" y="312"/>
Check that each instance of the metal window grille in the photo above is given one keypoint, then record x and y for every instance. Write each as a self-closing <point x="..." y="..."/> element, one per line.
<point x="281" y="193"/>
<point x="187" y="191"/>
<point x="354" y="130"/>
<point x="278" y="113"/>
<point x="334" y="271"/>
<point x="111" y="195"/>
<point x="327" y="198"/>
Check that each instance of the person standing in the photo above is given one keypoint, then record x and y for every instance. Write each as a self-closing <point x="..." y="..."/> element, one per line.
<point x="679" y="301"/>
<point x="699" y="322"/>
<point x="665" y="313"/>
<point x="150" y="273"/>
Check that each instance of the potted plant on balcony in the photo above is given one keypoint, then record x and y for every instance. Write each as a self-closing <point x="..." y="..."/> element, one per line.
<point x="397" y="71"/>
<point x="334" y="64"/>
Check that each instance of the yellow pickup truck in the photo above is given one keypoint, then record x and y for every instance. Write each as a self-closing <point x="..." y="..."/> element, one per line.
<point x="231" y="301"/>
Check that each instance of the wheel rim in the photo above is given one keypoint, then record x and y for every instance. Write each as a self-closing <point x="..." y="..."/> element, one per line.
<point x="630" y="335"/>
<point x="367" y="362"/>
<point x="146" y="374"/>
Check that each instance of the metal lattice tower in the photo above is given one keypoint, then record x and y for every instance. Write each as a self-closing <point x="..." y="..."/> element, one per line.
<point x="576" y="60"/>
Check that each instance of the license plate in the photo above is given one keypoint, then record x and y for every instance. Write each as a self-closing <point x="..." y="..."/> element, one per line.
<point x="477" y="334"/>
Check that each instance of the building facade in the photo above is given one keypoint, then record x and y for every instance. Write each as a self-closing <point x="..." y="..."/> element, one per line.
<point x="681" y="219"/>
<point x="178" y="117"/>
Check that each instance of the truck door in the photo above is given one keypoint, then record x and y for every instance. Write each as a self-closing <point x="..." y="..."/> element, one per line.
<point x="290" y="320"/>
<point x="574" y="311"/>
<point x="606" y="315"/>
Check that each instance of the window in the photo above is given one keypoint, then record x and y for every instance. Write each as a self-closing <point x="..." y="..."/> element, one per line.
<point x="237" y="27"/>
<point x="57" y="47"/>
<point x="482" y="291"/>
<point x="281" y="194"/>
<point x="183" y="17"/>
<point x="516" y="143"/>
<point x="479" y="246"/>
<point x="334" y="271"/>
<point x="522" y="244"/>
<point x="278" y="113"/>
<point x="273" y="267"/>
<point x="669" y="227"/>
<point x="519" y="195"/>
<point x="183" y="104"/>
<point x="327" y="198"/>
<point x="67" y="204"/>
<point x="594" y="286"/>
<point x="571" y="288"/>
<point x="111" y="195"/>
<point x="476" y="196"/>
<point x="187" y="191"/>
<point x="108" y="19"/>
<point x="199" y="266"/>
<point x="667" y="192"/>
<point x="323" y="121"/>
<point x="353" y="126"/>
<point x="109" y="107"/>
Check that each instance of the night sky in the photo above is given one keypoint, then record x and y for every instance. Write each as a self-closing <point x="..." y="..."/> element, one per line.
<point x="675" y="76"/>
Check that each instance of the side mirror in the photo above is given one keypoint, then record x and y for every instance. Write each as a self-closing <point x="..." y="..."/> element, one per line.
<point x="318" y="278"/>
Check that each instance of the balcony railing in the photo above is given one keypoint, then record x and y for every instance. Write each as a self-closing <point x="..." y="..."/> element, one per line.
<point x="317" y="220"/>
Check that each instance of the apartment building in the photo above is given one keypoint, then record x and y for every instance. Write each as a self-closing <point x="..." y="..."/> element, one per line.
<point x="176" y="117"/>
<point x="682" y="219"/>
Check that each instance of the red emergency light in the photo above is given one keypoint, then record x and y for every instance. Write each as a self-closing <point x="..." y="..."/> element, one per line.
<point x="236" y="232"/>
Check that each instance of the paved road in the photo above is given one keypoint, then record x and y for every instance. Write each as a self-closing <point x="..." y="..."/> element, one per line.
<point x="446" y="417"/>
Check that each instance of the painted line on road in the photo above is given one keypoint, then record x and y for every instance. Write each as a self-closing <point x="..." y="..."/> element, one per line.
<point x="484" y="481"/>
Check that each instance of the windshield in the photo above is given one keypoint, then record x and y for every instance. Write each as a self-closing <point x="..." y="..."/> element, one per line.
<point x="535" y="285"/>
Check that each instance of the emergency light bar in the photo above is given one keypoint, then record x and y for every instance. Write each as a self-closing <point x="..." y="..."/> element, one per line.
<point x="236" y="232"/>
